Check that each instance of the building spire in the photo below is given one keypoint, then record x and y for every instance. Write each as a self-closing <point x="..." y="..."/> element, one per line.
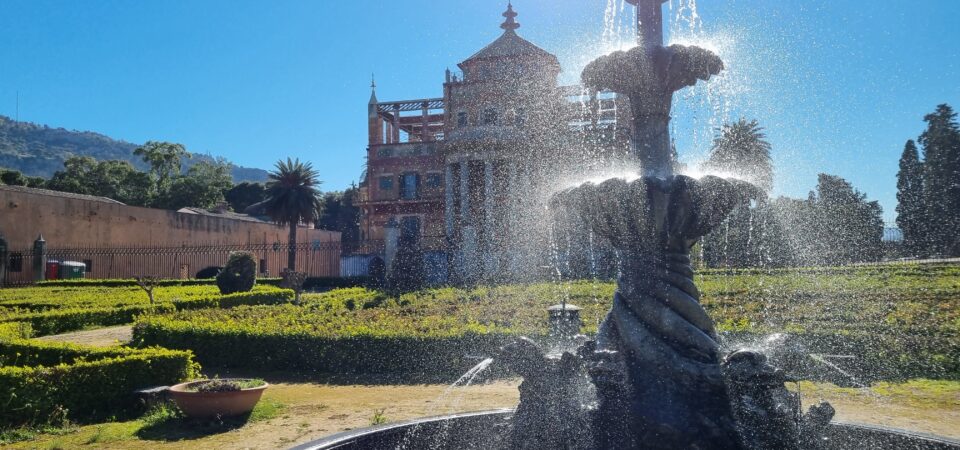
<point x="373" y="89"/>
<point x="509" y="24"/>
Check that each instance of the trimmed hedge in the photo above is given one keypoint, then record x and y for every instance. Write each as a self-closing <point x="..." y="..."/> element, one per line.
<point x="126" y="282"/>
<point x="95" y="384"/>
<point x="63" y="320"/>
<point x="15" y="330"/>
<point x="239" y="299"/>
<point x="327" y="283"/>
<point x="409" y="356"/>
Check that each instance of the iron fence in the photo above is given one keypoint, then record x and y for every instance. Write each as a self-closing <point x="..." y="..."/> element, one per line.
<point x="317" y="259"/>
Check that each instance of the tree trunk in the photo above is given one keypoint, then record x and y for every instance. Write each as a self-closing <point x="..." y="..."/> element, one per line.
<point x="292" y="250"/>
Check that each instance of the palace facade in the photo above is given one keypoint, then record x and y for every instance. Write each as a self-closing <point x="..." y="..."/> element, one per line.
<point x="467" y="174"/>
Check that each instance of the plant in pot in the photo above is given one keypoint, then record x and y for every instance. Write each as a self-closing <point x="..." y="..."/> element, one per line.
<point x="218" y="397"/>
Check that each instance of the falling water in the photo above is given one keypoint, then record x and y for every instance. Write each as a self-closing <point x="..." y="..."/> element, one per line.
<point x="452" y="403"/>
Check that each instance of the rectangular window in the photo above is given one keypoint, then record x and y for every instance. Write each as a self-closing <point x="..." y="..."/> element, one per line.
<point x="490" y="117"/>
<point x="408" y="186"/>
<point x="461" y="119"/>
<point x="386" y="183"/>
<point x="434" y="180"/>
<point x="16" y="262"/>
<point x="521" y="117"/>
<point x="410" y="228"/>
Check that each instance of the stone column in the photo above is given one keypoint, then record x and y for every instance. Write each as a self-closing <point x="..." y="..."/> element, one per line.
<point x="391" y="238"/>
<point x="515" y="192"/>
<point x="465" y="192"/>
<point x="425" y="120"/>
<point x="489" y="230"/>
<point x="4" y="257"/>
<point x="448" y="199"/>
<point x="396" y="124"/>
<point x="39" y="259"/>
<point x="468" y="248"/>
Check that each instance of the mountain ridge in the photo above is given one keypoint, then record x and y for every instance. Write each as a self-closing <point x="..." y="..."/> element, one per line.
<point x="40" y="150"/>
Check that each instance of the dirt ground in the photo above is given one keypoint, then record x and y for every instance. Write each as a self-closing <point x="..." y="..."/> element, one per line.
<point x="309" y="411"/>
<point x="100" y="337"/>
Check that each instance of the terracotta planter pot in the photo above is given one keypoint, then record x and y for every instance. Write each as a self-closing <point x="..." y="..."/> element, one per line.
<point x="202" y="405"/>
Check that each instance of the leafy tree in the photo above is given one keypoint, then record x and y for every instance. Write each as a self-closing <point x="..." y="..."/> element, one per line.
<point x="941" y="155"/>
<point x="243" y="195"/>
<point x="164" y="159"/>
<point x="293" y="197"/>
<point x="340" y="213"/>
<point x="118" y="180"/>
<point x="201" y="187"/>
<point x="847" y="228"/>
<point x="36" y="182"/>
<point x="12" y="177"/>
<point x="911" y="209"/>
<point x="742" y="150"/>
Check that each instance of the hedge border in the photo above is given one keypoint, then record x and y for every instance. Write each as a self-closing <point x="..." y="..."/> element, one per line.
<point x="413" y="358"/>
<point x="84" y="390"/>
<point x="64" y="320"/>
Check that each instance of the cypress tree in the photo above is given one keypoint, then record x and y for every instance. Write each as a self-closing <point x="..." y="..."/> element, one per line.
<point x="911" y="209"/>
<point x="941" y="154"/>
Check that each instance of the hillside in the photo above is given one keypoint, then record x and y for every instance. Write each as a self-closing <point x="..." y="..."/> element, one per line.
<point x="38" y="150"/>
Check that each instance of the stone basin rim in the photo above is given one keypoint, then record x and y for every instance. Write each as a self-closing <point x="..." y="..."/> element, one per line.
<point x="345" y="438"/>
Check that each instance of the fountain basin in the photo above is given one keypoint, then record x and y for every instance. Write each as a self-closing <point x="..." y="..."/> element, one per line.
<point x="489" y="429"/>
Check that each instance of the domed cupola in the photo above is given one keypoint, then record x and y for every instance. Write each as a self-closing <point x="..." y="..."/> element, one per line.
<point x="510" y="56"/>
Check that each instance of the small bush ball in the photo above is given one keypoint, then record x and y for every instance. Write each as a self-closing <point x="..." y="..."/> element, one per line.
<point x="239" y="275"/>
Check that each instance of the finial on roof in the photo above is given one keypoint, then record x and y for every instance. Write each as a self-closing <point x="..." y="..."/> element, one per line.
<point x="373" y="90"/>
<point x="510" y="24"/>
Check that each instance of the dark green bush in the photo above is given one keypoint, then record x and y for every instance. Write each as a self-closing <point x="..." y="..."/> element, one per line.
<point x="239" y="274"/>
<point x="327" y="283"/>
<point x="87" y="389"/>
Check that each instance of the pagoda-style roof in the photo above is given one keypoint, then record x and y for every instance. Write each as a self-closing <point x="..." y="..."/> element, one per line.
<point x="511" y="45"/>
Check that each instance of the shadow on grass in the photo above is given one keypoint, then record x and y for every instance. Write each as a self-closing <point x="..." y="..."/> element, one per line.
<point x="167" y="423"/>
<point x="367" y="379"/>
<point x="179" y="428"/>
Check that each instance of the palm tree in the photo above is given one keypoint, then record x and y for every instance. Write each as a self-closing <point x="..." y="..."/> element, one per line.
<point x="293" y="197"/>
<point x="742" y="150"/>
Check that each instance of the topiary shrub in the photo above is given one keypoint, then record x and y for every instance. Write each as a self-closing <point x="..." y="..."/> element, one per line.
<point x="208" y="273"/>
<point x="239" y="275"/>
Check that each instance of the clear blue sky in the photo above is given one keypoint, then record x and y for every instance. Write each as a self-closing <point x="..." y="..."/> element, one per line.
<point x="839" y="84"/>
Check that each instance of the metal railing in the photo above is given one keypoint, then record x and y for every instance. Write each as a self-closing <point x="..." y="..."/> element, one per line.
<point x="318" y="259"/>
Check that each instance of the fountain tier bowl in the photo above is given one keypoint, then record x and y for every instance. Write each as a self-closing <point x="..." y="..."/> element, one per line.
<point x="488" y="430"/>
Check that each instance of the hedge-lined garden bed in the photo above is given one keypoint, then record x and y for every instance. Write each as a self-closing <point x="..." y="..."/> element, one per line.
<point x="51" y="310"/>
<point x="352" y="337"/>
<point x="43" y="383"/>
<point x="897" y="321"/>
